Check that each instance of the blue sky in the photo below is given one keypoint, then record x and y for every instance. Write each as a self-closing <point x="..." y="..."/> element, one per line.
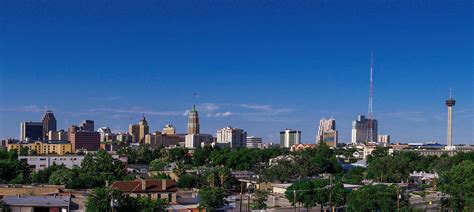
<point x="258" y="65"/>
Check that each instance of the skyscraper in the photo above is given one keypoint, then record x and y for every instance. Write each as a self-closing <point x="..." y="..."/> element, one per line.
<point x="31" y="130"/>
<point x="289" y="138"/>
<point x="49" y="123"/>
<point x="450" y="104"/>
<point x="138" y="131"/>
<point x="193" y="121"/>
<point x="327" y="132"/>
<point x="233" y="137"/>
<point x="360" y="129"/>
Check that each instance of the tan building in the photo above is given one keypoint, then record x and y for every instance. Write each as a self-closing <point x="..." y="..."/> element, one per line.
<point x="193" y="121"/>
<point x="158" y="139"/>
<point x="138" y="131"/>
<point x="45" y="147"/>
<point x="169" y="130"/>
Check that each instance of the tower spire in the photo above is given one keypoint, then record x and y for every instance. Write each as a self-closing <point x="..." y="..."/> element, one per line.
<point x="370" y="124"/>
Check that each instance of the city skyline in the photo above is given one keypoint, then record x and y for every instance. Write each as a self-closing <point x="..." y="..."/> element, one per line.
<point x="261" y="73"/>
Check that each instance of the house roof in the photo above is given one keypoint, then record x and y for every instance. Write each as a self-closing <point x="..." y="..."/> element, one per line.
<point x="37" y="201"/>
<point x="151" y="186"/>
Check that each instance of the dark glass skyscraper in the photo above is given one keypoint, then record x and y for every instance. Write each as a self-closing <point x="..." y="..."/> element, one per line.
<point x="49" y="123"/>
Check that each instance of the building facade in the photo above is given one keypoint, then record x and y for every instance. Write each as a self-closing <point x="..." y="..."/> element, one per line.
<point x="57" y="135"/>
<point x="44" y="147"/>
<point x="169" y="130"/>
<point x="254" y="142"/>
<point x="327" y="132"/>
<point x="87" y="126"/>
<point x="193" y="121"/>
<point x="384" y="139"/>
<point x="289" y="138"/>
<point x="360" y="130"/>
<point x="138" y="131"/>
<point x="83" y="140"/>
<point x="158" y="139"/>
<point x="31" y="130"/>
<point x="49" y="124"/>
<point x="233" y="137"/>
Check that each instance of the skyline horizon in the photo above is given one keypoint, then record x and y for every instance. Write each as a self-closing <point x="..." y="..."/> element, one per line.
<point x="257" y="66"/>
<point x="210" y="105"/>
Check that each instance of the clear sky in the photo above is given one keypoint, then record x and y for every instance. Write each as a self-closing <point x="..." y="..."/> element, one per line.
<point x="258" y="65"/>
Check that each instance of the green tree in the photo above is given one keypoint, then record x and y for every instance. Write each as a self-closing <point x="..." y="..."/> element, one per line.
<point x="211" y="197"/>
<point x="24" y="151"/>
<point x="101" y="199"/>
<point x="148" y="205"/>
<point x="374" y="198"/>
<point x="458" y="183"/>
<point x="42" y="176"/>
<point x="260" y="201"/>
<point x="188" y="181"/>
<point x="63" y="177"/>
<point x="102" y="167"/>
<point x="158" y="164"/>
<point x="180" y="169"/>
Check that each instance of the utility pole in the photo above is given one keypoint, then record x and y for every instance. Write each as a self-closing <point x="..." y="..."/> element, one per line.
<point x="294" y="199"/>
<point x="241" y="193"/>
<point x="330" y="192"/>
<point x="248" y="202"/>
<point x="398" y="199"/>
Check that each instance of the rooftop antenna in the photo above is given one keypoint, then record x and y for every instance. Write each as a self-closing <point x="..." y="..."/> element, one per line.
<point x="370" y="127"/>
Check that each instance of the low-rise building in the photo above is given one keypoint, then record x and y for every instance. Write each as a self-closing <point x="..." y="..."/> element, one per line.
<point x="37" y="203"/>
<point x="301" y="147"/>
<point x="152" y="188"/>
<point x="254" y="142"/>
<point x="44" y="147"/>
<point x="37" y="163"/>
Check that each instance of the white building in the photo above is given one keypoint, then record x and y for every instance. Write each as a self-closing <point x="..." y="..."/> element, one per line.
<point x="193" y="141"/>
<point x="42" y="162"/>
<point x="289" y="138"/>
<point x="254" y="142"/>
<point x="105" y="134"/>
<point x="233" y="137"/>
<point x="327" y="132"/>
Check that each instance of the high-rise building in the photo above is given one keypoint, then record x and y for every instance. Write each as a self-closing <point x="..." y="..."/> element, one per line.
<point x="83" y="140"/>
<point x="327" y="132"/>
<point x="233" y="137"/>
<point x="87" y="125"/>
<point x="49" y="123"/>
<point x="169" y="130"/>
<point x="360" y="129"/>
<point x="193" y="121"/>
<point x="289" y="138"/>
<point x="450" y="104"/>
<point x="193" y="141"/>
<point x="254" y="142"/>
<point x="138" y="131"/>
<point x="31" y="130"/>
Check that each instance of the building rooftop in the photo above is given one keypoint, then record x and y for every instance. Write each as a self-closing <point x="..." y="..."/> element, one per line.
<point x="38" y="201"/>
<point x="151" y="186"/>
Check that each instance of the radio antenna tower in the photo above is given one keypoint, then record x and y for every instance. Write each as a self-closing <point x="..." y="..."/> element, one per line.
<point x="370" y="126"/>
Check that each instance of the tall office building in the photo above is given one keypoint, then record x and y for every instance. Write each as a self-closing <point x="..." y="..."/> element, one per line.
<point x="327" y="132"/>
<point x="31" y="130"/>
<point x="169" y="130"/>
<point x="49" y="123"/>
<point x="289" y="138"/>
<point x="138" y="131"/>
<point x="87" y="125"/>
<point x="360" y="130"/>
<point x="233" y="137"/>
<point x="193" y="121"/>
